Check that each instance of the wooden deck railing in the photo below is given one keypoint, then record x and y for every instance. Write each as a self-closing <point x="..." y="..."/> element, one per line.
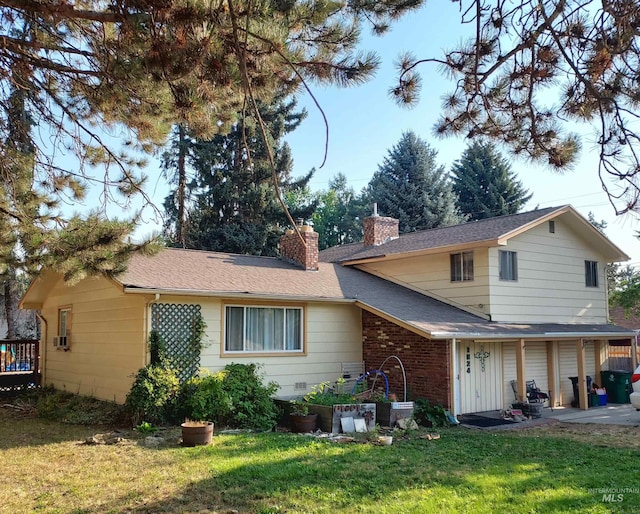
<point x="19" y="365"/>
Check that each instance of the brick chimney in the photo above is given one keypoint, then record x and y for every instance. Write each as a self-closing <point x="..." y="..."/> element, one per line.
<point x="379" y="229"/>
<point x="303" y="254"/>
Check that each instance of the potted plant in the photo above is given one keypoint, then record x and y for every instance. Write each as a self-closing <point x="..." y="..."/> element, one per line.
<point x="333" y="404"/>
<point x="300" y="420"/>
<point x="196" y="433"/>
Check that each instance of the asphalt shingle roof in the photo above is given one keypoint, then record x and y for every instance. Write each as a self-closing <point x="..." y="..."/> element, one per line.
<point x="470" y="232"/>
<point x="220" y="274"/>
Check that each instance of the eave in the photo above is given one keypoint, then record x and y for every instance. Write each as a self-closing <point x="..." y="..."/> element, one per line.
<point x="487" y="243"/>
<point x="232" y="294"/>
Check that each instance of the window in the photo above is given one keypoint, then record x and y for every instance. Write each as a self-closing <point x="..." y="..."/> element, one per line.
<point x="263" y="329"/>
<point x="508" y="265"/>
<point x="64" y="328"/>
<point x="461" y="266"/>
<point x="552" y="227"/>
<point x="591" y="273"/>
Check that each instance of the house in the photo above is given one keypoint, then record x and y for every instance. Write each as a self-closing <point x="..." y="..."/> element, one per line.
<point x="467" y="309"/>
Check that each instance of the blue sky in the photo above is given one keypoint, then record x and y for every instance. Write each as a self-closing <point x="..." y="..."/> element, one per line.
<point x="364" y="123"/>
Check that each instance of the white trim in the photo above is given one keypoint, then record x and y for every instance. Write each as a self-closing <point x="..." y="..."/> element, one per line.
<point x="455" y="369"/>
<point x="235" y="294"/>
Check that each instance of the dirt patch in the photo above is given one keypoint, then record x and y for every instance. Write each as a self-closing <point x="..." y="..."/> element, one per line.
<point x="622" y="436"/>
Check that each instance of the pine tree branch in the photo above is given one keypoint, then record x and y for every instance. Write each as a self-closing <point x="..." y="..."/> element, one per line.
<point x="307" y="88"/>
<point x="17" y="45"/>
<point x="63" y="10"/>
<point x="247" y="85"/>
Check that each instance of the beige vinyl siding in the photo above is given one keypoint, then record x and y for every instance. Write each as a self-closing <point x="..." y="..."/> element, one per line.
<point x="333" y="336"/>
<point x="551" y="280"/>
<point x="107" y="341"/>
<point x="569" y="366"/>
<point x="432" y="274"/>
<point x="535" y="366"/>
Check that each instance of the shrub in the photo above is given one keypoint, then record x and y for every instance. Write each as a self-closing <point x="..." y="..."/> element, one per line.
<point x="152" y="394"/>
<point x="252" y="404"/>
<point x="157" y="349"/>
<point x="429" y="415"/>
<point x="204" y="398"/>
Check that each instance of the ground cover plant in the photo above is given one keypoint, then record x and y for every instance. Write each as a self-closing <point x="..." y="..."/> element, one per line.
<point x="544" y="469"/>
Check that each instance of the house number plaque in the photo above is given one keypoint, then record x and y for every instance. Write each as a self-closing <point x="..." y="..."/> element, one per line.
<point x="468" y="360"/>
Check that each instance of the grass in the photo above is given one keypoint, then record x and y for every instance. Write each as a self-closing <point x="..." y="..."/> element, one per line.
<point x="545" y="469"/>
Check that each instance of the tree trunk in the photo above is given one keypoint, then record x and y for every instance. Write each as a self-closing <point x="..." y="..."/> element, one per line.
<point x="182" y="184"/>
<point x="9" y="308"/>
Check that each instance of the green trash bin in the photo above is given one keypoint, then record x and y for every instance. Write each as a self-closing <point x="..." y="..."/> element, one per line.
<point x="618" y="385"/>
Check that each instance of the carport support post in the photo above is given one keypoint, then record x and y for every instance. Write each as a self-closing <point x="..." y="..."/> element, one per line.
<point x="520" y="371"/>
<point x="597" y="349"/>
<point x="582" y="377"/>
<point x="551" y="374"/>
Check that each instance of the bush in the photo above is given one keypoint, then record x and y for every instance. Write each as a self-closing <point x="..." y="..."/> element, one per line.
<point x="204" y="398"/>
<point x="252" y="404"/>
<point x="429" y="415"/>
<point x="157" y="349"/>
<point x="152" y="395"/>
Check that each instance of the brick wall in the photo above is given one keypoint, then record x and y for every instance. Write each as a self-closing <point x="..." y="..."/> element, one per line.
<point x="302" y="254"/>
<point x="426" y="362"/>
<point x="379" y="229"/>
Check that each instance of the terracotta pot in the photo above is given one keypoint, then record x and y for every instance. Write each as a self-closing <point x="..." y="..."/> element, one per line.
<point x="197" y="433"/>
<point x="303" y="424"/>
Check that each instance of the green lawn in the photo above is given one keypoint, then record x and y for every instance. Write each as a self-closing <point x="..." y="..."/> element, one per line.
<point x="547" y="469"/>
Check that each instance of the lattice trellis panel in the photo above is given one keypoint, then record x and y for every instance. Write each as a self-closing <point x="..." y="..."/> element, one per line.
<point x="176" y="324"/>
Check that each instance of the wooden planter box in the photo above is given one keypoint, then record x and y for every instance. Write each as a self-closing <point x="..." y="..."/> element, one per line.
<point x="329" y="415"/>
<point x="388" y="413"/>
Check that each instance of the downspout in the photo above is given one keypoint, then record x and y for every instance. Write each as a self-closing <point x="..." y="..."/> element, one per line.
<point x="43" y="347"/>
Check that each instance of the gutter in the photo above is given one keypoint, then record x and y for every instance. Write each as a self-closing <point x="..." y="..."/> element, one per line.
<point x="234" y="294"/>
<point x="529" y="335"/>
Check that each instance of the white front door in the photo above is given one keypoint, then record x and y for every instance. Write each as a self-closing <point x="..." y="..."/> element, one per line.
<point x="480" y="376"/>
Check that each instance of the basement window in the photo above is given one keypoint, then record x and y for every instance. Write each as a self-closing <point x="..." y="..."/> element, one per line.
<point x="249" y="329"/>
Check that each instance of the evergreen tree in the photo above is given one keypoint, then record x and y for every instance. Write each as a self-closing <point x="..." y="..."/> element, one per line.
<point x="410" y="186"/>
<point x="34" y="234"/>
<point x="338" y="218"/>
<point x="95" y="72"/>
<point x="485" y="185"/>
<point x="233" y="206"/>
<point x="531" y="70"/>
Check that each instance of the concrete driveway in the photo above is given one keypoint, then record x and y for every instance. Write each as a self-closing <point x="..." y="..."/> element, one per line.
<point x="611" y="414"/>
